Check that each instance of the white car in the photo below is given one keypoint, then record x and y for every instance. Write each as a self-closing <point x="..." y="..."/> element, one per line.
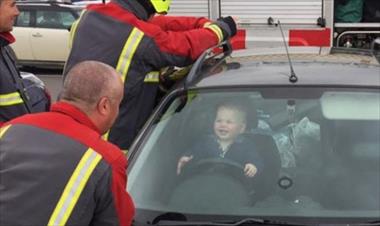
<point x="42" y="33"/>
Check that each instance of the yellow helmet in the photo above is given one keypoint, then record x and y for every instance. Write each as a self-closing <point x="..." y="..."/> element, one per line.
<point x="161" y="6"/>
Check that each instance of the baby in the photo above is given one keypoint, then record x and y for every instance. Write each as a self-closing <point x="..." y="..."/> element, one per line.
<point x="227" y="142"/>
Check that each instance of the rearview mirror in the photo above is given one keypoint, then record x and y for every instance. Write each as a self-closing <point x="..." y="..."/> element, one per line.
<point x="351" y="105"/>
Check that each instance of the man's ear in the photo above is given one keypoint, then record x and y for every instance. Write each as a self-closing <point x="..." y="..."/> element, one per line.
<point x="103" y="105"/>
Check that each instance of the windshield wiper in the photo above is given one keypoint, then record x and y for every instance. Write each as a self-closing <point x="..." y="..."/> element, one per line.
<point x="243" y="222"/>
<point x="370" y="223"/>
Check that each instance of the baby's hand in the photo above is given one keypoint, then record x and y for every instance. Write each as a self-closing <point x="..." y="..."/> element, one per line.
<point x="250" y="170"/>
<point x="182" y="161"/>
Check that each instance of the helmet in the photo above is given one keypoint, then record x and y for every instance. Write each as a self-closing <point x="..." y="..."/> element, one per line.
<point x="161" y="6"/>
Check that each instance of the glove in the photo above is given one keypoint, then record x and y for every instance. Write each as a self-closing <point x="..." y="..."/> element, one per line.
<point x="169" y="76"/>
<point x="228" y="27"/>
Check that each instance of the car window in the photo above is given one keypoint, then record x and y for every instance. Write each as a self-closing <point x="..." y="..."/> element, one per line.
<point x="319" y="155"/>
<point x="23" y="19"/>
<point x="67" y="19"/>
<point x="54" y="19"/>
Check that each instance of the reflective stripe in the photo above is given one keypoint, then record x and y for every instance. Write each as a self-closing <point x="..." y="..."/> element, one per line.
<point x="152" y="76"/>
<point x="10" y="99"/>
<point x="128" y="52"/>
<point x="74" y="188"/>
<point x="74" y="29"/>
<point x="3" y="130"/>
<point x="207" y="24"/>
<point x="106" y="135"/>
<point x="72" y="32"/>
<point x="218" y="32"/>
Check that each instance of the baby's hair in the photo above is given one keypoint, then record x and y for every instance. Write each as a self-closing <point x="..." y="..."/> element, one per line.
<point x="245" y="106"/>
<point x="234" y="105"/>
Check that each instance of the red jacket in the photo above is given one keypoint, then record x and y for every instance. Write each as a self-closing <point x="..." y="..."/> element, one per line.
<point x="58" y="162"/>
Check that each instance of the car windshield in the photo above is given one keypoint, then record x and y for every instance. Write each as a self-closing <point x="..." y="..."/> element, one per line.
<point x="316" y="152"/>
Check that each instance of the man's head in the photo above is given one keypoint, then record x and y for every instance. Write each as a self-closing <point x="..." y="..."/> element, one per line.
<point x="96" y="89"/>
<point x="8" y="14"/>
<point x="230" y="121"/>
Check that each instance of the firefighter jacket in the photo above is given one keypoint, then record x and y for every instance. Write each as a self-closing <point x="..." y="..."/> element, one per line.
<point x="12" y="102"/>
<point x="120" y="34"/>
<point x="57" y="170"/>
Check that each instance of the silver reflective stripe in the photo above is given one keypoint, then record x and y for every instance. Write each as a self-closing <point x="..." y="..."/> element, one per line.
<point x="128" y="52"/>
<point x="74" y="188"/>
<point x="10" y="99"/>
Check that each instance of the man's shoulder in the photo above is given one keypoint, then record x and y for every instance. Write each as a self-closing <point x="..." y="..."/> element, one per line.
<point x="110" y="152"/>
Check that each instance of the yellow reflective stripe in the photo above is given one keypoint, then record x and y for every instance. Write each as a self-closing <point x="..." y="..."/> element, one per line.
<point x="152" y="76"/>
<point x="72" y="33"/>
<point x="207" y="24"/>
<point x="106" y="135"/>
<point x="216" y="29"/>
<point x="74" y="188"/>
<point x="10" y="99"/>
<point x="74" y="29"/>
<point x="3" y="130"/>
<point x="128" y="52"/>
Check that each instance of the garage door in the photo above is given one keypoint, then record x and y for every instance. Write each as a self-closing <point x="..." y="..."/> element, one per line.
<point x="258" y="11"/>
<point x="190" y="8"/>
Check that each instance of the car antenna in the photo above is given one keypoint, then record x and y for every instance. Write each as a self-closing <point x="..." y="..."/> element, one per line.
<point x="293" y="77"/>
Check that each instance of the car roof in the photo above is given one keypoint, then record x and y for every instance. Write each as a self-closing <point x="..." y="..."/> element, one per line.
<point x="329" y="70"/>
<point x="46" y="4"/>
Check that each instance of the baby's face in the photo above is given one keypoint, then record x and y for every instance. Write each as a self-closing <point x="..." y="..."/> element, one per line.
<point x="228" y="124"/>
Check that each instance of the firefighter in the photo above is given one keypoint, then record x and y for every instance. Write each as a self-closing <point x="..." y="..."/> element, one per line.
<point x="12" y="103"/>
<point x="55" y="167"/>
<point x="17" y="96"/>
<point x="127" y="35"/>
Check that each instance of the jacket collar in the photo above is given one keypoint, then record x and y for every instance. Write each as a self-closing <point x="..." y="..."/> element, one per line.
<point x="75" y="113"/>
<point x="135" y="7"/>
<point x="6" y="38"/>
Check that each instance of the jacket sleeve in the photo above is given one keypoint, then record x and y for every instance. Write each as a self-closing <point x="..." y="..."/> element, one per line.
<point x="179" y="23"/>
<point x="178" y="48"/>
<point x="114" y="205"/>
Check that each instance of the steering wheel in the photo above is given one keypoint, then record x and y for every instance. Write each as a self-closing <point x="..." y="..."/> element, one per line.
<point x="212" y="183"/>
<point x="214" y="165"/>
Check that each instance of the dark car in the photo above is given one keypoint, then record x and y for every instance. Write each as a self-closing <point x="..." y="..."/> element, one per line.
<point x="317" y="132"/>
<point x="42" y="33"/>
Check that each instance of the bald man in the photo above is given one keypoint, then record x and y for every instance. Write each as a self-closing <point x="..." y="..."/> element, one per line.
<point x="55" y="169"/>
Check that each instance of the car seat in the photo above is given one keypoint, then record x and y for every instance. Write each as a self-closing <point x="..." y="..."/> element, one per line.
<point x="265" y="183"/>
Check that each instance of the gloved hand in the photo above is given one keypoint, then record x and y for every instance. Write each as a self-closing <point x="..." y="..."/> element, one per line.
<point x="228" y="26"/>
<point x="170" y="75"/>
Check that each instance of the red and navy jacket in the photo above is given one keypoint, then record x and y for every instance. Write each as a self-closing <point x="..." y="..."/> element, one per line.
<point x="12" y="103"/>
<point x="120" y="34"/>
<point x="57" y="170"/>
